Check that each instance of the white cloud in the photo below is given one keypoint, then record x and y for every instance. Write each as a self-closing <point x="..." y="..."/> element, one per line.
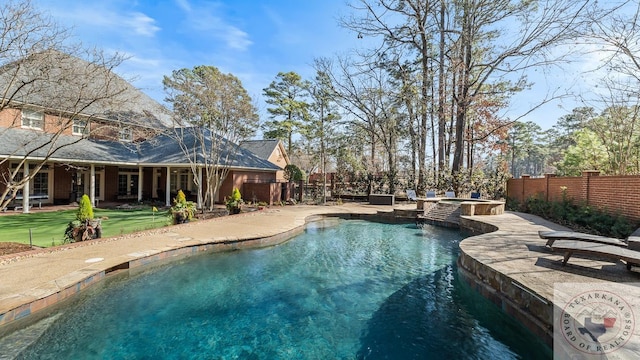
<point x="100" y="16"/>
<point x="142" y="24"/>
<point x="184" y="5"/>
<point x="237" y="39"/>
<point x="206" y="20"/>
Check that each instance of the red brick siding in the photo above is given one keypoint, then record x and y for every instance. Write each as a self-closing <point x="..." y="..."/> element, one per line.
<point x="10" y="118"/>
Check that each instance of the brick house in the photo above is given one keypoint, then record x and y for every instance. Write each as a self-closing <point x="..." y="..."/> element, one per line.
<point x="116" y="148"/>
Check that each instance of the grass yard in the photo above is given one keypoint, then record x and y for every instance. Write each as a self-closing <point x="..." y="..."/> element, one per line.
<point x="47" y="228"/>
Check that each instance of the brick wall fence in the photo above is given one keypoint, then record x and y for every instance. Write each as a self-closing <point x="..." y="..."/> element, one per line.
<point x="614" y="194"/>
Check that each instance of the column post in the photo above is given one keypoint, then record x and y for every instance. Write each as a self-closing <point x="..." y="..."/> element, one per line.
<point x="140" y="174"/>
<point x="167" y="188"/>
<point x="25" y="189"/>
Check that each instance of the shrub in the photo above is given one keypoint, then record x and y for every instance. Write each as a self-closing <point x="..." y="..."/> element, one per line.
<point x="580" y="217"/>
<point x="293" y="173"/>
<point x="234" y="201"/>
<point x="85" y="210"/>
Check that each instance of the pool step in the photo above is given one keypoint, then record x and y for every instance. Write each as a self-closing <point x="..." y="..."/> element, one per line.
<point x="442" y="214"/>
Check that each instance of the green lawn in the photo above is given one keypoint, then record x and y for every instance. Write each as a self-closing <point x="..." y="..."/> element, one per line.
<point x="47" y="228"/>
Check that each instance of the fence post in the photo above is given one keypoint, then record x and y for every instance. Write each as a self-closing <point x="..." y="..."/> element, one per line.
<point x="546" y="190"/>
<point x="524" y="177"/>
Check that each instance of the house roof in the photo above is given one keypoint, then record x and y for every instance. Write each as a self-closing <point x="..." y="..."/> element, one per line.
<point x="264" y="148"/>
<point x="65" y="80"/>
<point x="162" y="150"/>
<point x="71" y="85"/>
<point x="170" y="142"/>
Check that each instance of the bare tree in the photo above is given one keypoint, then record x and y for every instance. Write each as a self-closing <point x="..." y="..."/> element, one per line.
<point x="367" y="97"/>
<point x="483" y="47"/>
<point x="213" y="113"/>
<point x="63" y="84"/>
<point x="614" y="32"/>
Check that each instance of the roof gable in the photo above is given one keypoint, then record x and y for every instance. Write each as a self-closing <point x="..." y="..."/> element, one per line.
<point x="265" y="148"/>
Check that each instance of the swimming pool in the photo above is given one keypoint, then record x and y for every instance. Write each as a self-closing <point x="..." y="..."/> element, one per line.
<point x="343" y="289"/>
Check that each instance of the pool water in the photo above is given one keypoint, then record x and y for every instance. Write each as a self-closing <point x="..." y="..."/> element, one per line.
<point x="342" y="290"/>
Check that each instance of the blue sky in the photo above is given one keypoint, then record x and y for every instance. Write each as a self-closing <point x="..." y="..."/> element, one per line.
<point x="252" y="39"/>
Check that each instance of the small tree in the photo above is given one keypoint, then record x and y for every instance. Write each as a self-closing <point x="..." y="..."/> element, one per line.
<point x="292" y="173"/>
<point x="85" y="210"/>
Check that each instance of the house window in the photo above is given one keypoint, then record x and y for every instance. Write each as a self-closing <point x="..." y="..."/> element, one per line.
<point x="80" y="127"/>
<point x="125" y="134"/>
<point x="128" y="183"/>
<point x="40" y="184"/>
<point x="182" y="180"/>
<point x="97" y="187"/>
<point x="32" y="119"/>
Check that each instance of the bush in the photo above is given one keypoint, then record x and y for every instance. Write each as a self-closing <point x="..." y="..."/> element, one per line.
<point x="580" y="217"/>
<point x="85" y="210"/>
<point x="234" y="202"/>
<point x="293" y="173"/>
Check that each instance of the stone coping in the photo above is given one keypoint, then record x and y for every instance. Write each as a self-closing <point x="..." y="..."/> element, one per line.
<point x="508" y="263"/>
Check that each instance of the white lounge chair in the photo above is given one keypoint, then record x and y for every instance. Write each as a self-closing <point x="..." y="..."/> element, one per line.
<point x="450" y="194"/>
<point x="411" y="195"/>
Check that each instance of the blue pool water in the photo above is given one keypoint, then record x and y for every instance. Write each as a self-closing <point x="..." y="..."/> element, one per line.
<point x="354" y="289"/>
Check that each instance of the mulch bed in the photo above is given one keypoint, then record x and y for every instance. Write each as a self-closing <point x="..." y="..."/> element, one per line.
<point x="12" y="248"/>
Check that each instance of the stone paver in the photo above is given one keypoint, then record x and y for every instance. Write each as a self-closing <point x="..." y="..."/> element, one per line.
<point x="514" y="269"/>
<point x="517" y="251"/>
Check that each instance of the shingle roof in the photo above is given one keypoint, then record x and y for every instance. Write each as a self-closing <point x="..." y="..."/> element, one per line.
<point x="72" y="85"/>
<point x="159" y="150"/>
<point x="262" y="148"/>
<point x="172" y="152"/>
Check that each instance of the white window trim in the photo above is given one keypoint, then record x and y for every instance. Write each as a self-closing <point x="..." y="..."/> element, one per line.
<point x="176" y="183"/>
<point x="125" y="134"/>
<point x="30" y="116"/>
<point x="77" y="123"/>
<point x="129" y="173"/>
<point x="47" y="168"/>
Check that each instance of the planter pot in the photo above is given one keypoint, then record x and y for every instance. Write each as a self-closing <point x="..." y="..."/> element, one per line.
<point x="179" y="218"/>
<point x="234" y="210"/>
<point x="96" y="224"/>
